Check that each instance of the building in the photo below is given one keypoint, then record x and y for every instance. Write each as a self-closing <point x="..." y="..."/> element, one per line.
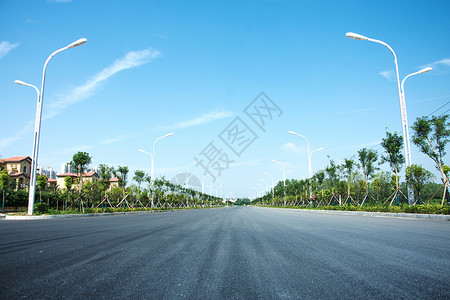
<point x="19" y="168"/>
<point x="113" y="182"/>
<point x="52" y="183"/>
<point x="49" y="173"/>
<point x="66" y="168"/>
<point x="88" y="176"/>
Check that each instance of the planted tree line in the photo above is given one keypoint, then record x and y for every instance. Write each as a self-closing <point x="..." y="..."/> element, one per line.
<point x="359" y="182"/>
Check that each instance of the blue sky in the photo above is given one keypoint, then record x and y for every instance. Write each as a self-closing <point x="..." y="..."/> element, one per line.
<point x="192" y="67"/>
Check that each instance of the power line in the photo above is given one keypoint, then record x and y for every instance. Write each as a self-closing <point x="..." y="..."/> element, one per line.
<point x="439" y="108"/>
<point x="445" y="112"/>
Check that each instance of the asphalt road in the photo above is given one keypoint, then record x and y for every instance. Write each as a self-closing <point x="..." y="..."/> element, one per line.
<point x="226" y="253"/>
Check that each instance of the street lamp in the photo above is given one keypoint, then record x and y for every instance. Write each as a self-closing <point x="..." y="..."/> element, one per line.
<point x="260" y="191"/>
<point x="401" y="96"/>
<point x="309" y="156"/>
<point x="265" y="173"/>
<point x="37" y="124"/>
<point x="284" y="179"/>
<point x="153" y="162"/>
<point x="265" y="182"/>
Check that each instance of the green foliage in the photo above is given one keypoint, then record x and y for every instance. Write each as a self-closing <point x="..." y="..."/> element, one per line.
<point x="367" y="159"/>
<point x="418" y="177"/>
<point x="431" y="136"/>
<point x="41" y="182"/>
<point x="139" y="177"/>
<point x="80" y="161"/>
<point x="404" y="208"/>
<point x="68" y="182"/>
<point x="121" y="173"/>
<point x="393" y="145"/>
<point x="105" y="172"/>
<point x="41" y="208"/>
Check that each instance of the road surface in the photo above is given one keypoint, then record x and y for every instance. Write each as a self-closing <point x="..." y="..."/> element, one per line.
<point x="226" y="253"/>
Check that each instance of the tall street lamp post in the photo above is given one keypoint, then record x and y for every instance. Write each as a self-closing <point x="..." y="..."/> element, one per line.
<point x="37" y="124"/>
<point x="265" y="173"/>
<point x="401" y="96"/>
<point x="153" y="162"/>
<point x="309" y="157"/>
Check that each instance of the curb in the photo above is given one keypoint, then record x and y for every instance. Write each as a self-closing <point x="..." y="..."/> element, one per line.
<point x="47" y="217"/>
<point x="371" y="214"/>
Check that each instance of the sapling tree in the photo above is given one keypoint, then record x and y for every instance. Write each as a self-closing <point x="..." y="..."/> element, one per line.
<point x="367" y="159"/>
<point x="121" y="173"/>
<point x="41" y="184"/>
<point x="349" y="164"/>
<point x="431" y="136"/>
<point x="417" y="176"/>
<point x="5" y="181"/>
<point x="139" y="177"/>
<point x="80" y="161"/>
<point x="393" y="145"/>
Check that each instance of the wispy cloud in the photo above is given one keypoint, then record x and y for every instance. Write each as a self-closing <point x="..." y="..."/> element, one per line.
<point x="132" y="59"/>
<point x="113" y="140"/>
<point x="6" y="47"/>
<point x="75" y="149"/>
<point x="388" y="74"/>
<point x="203" y="119"/>
<point x="439" y="67"/>
<point x="6" y="142"/>
<point x="290" y="147"/>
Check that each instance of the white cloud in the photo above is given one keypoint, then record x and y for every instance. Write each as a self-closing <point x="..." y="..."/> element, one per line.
<point x="445" y="62"/>
<point x="131" y="60"/>
<point x="6" y="142"/>
<point x="439" y="67"/>
<point x="290" y="147"/>
<point x="388" y="74"/>
<point x="6" y="47"/>
<point x="203" y="119"/>
<point x="113" y="140"/>
<point x="75" y="149"/>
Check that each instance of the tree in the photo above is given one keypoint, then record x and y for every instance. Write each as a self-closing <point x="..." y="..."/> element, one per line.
<point x="80" y="161"/>
<point x="418" y="177"/>
<point x="105" y="172"/>
<point x="41" y="184"/>
<point x="121" y="173"/>
<point x="393" y="145"/>
<point x="5" y="181"/>
<point x="320" y="177"/>
<point x="367" y="158"/>
<point x="380" y="184"/>
<point x="348" y="165"/>
<point x="139" y="177"/>
<point x="431" y="136"/>
<point x="331" y="171"/>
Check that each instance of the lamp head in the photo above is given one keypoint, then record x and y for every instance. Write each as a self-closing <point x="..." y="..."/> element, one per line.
<point x="77" y="43"/>
<point x="356" y="36"/>
<point x="20" y="82"/>
<point x="424" y="70"/>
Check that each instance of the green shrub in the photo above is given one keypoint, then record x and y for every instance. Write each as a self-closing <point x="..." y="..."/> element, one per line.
<point x="41" y="208"/>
